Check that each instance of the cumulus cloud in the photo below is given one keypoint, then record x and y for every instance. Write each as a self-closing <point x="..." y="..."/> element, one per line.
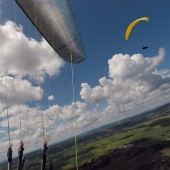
<point x="24" y="56"/>
<point x="98" y="93"/>
<point x="125" y="66"/>
<point x="131" y="81"/>
<point x="18" y="90"/>
<point x="66" y="112"/>
<point x="51" y="98"/>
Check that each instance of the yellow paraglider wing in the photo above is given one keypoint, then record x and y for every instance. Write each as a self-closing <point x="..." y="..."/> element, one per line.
<point x="133" y="24"/>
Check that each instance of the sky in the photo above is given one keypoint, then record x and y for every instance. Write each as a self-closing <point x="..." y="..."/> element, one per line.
<point x="117" y="80"/>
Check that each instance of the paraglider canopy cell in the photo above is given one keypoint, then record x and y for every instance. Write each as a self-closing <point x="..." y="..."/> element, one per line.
<point x="56" y="22"/>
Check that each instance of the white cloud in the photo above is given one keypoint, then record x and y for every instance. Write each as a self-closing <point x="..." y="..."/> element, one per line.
<point x="162" y="73"/>
<point x="125" y="66"/>
<point x="132" y="81"/>
<point x="51" y="98"/>
<point x="66" y="112"/>
<point x="25" y="56"/>
<point x="18" y="90"/>
<point x="98" y="93"/>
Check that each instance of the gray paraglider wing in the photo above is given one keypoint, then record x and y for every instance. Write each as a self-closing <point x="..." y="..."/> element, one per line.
<point x="54" y="19"/>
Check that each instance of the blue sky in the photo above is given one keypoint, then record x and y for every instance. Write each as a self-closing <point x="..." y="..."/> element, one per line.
<point x="109" y="85"/>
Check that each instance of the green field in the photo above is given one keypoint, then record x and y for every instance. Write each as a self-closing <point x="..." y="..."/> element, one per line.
<point x="103" y="146"/>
